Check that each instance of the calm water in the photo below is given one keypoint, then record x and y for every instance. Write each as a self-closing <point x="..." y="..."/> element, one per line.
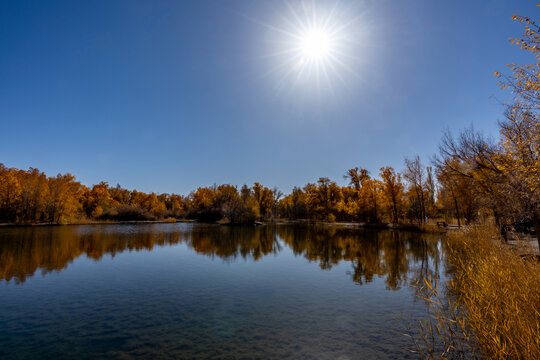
<point x="202" y="291"/>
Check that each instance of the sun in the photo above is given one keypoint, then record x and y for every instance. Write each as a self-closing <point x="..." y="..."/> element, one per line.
<point x="315" y="44"/>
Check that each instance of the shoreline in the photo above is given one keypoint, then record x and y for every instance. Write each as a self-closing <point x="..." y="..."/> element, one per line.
<point x="104" y="222"/>
<point x="429" y="228"/>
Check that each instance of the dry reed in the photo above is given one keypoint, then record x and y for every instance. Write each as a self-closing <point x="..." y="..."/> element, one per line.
<point x="490" y="308"/>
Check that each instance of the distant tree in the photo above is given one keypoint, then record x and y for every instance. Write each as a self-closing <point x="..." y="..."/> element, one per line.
<point x="414" y="173"/>
<point x="265" y="199"/>
<point x="392" y="191"/>
<point x="10" y="194"/>
<point x="64" y="200"/>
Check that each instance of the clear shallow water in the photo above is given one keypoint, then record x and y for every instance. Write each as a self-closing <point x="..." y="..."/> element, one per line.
<point x="203" y="291"/>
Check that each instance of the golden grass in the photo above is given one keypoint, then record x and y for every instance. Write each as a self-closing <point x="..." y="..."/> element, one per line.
<point x="500" y="292"/>
<point x="492" y="306"/>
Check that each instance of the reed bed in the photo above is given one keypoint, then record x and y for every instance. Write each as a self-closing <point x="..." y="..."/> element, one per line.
<point x="491" y="307"/>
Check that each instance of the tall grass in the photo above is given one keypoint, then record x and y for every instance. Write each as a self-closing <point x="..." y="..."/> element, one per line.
<point x="490" y="308"/>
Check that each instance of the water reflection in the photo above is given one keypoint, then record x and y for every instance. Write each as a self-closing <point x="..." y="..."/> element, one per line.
<point x="399" y="257"/>
<point x="229" y="242"/>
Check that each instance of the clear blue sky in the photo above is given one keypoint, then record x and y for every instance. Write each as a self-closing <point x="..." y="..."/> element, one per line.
<point x="165" y="96"/>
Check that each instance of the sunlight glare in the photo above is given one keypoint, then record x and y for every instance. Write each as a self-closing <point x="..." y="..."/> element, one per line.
<point x="315" y="44"/>
<point x="315" y="47"/>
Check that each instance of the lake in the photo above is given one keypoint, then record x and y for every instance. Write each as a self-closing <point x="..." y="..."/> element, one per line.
<point x="195" y="291"/>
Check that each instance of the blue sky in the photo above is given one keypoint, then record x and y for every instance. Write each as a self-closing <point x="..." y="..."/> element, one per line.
<point x="166" y="96"/>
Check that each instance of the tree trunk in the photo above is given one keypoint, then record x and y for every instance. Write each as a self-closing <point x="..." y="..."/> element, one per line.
<point x="457" y="211"/>
<point x="394" y="208"/>
<point x="375" y="215"/>
<point x="423" y="206"/>
<point x="536" y="220"/>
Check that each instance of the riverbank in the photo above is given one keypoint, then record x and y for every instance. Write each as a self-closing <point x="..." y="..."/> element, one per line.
<point x="103" y="222"/>
<point x="490" y="306"/>
<point x="426" y="228"/>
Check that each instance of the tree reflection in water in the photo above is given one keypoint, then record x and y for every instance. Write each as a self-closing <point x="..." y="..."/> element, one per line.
<point x="399" y="257"/>
<point x="396" y="255"/>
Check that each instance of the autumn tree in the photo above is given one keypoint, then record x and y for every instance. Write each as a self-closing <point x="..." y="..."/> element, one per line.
<point x="120" y="195"/>
<point x="459" y="195"/>
<point x="328" y="195"/>
<point x="415" y="174"/>
<point x="360" y="201"/>
<point x="392" y="190"/>
<point x="97" y="200"/>
<point x="276" y="195"/>
<point x="64" y="199"/>
<point x="265" y="199"/>
<point x="519" y="158"/>
<point x="203" y="204"/>
<point x="371" y="190"/>
<point x="175" y="205"/>
<point x="10" y="194"/>
<point x="430" y="193"/>
<point x="357" y="177"/>
<point x="294" y="205"/>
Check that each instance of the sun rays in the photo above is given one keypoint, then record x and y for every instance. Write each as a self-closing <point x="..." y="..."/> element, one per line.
<point x="313" y="46"/>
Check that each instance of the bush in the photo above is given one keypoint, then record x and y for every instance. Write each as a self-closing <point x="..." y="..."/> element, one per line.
<point x="127" y="213"/>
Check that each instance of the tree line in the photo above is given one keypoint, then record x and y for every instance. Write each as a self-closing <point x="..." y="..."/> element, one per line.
<point x="415" y="195"/>
<point x="30" y="196"/>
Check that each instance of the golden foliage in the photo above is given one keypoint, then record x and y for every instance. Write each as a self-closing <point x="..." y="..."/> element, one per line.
<point x="32" y="197"/>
